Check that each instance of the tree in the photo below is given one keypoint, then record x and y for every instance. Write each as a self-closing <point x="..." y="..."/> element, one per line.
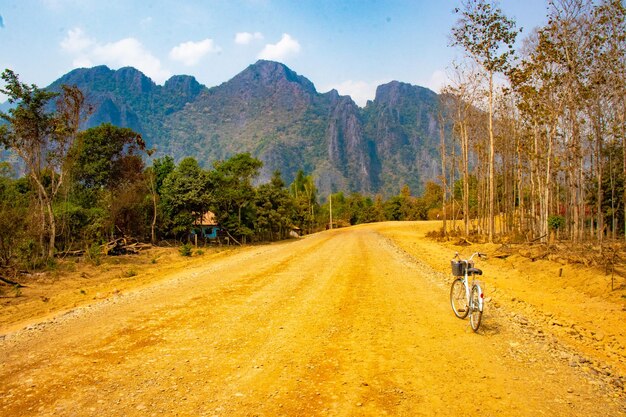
<point x="609" y="24"/>
<point x="13" y="214"/>
<point x="402" y="206"/>
<point x="187" y="194"/>
<point x="155" y="175"/>
<point x="273" y="208"/>
<point x="304" y="192"/>
<point x="108" y="179"/>
<point x="488" y="37"/>
<point x="106" y="156"/>
<point x="537" y="86"/>
<point x="42" y="139"/>
<point x="461" y="99"/>
<point x="444" y="171"/>
<point x="233" y="179"/>
<point x="430" y="200"/>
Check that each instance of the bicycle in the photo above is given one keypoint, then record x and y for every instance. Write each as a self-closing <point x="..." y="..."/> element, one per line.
<point x="466" y="298"/>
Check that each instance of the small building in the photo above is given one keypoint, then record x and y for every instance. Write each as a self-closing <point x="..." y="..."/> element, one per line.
<point x="207" y="226"/>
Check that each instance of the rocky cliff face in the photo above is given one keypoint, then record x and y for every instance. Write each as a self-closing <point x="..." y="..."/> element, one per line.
<point x="403" y="122"/>
<point x="348" y="149"/>
<point x="128" y="98"/>
<point x="280" y="118"/>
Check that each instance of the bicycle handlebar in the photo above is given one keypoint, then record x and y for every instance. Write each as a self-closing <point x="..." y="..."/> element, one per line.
<point x="479" y="254"/>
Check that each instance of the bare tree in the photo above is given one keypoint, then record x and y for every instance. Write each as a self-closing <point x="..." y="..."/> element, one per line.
<point x="538" y="87"/>
<point x="488" y="37"/>
<point x="462" y="97"/>
<point x="42" y="139"/>
<point x="609" y="82"/>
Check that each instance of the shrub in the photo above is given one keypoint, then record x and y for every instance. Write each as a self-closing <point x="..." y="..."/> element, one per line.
<point x="29" y="255"/>
<point x="185" y="250"/>
<point x="130" y="273"/>
<point x="556" y="222"/>
<point x="95" y="254"/>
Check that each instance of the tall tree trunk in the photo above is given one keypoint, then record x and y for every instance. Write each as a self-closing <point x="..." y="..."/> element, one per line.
<point x="623" y="124"/>
<point x="53" y="230"/>
<point x="452" y="176"/>
<point x="534" y="184"/>
<point x="442" y="134"/>
<point x="544" y="201"/>
<point x="520" y="184"/>
<point x="491" y="181"/>
<point x="599" y="170"/>
<point x="47" y="214"/>
<point x="154" y="219"/>
<point x="465" y="169"/>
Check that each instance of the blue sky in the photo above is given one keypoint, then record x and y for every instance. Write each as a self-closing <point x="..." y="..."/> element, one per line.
<point x="350" y="45"/>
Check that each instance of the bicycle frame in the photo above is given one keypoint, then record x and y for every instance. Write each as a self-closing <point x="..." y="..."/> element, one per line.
<point x="474" y="303"/>
<point x="468" y="288"/>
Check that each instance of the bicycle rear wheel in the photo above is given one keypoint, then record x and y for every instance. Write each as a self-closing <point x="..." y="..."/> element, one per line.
<point x="476" y="307"/>
<point x="458" y="298"/>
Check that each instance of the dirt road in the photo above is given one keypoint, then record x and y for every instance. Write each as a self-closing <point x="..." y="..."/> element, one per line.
<point x="341" y="323"/>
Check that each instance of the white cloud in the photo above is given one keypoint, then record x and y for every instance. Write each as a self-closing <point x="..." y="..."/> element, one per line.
<point x="130" y="52"/>
<point x="437" y="81"/>
<point x="244" y="38"/>
<point x="360" y="91"/>
<point x="190" y="53"/>
<point x="286" y="47"/>
<point x="76" y="41"/>
<point x="125" y="52"/>
<point x="82" y="62"/>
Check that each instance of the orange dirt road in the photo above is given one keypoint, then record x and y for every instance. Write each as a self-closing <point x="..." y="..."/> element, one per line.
<point x="340" y="323"/>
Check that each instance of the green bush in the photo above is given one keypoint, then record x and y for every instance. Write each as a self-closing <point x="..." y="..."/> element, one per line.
<point x="556" y="222"/>
<point x="185" y="250"/>
<point x="94" y="254"/>
<point x="29" y="254"/>
<point x="130" y="273"/>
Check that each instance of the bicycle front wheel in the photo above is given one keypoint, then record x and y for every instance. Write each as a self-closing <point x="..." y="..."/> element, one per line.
<point x="476" y="307"/>
<point x="458" y="298"/>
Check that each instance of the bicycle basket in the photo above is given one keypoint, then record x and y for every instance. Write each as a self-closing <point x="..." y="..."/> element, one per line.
<point x="458" y="267"/>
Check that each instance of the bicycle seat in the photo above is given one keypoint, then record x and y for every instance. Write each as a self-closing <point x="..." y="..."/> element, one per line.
<point x="474" y="271"/>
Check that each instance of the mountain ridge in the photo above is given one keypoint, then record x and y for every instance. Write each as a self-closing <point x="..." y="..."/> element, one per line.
<point x="279" y="117"/>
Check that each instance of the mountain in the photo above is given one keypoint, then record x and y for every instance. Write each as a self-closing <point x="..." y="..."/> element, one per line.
<point x="279" y="117"/>
<point x="4" y="107"/>
<point x="128" y="98"/>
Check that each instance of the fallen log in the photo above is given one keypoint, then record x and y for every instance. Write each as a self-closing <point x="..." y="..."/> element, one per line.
<point x="503" y="252"/>
<point x="463" y="242"/>
<point x="121" y="246"/>
<point x="235" y="240"/>
<point x="13" y="283"/>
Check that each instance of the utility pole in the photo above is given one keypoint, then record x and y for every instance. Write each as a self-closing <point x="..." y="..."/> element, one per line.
<point x="331" y="210"/>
